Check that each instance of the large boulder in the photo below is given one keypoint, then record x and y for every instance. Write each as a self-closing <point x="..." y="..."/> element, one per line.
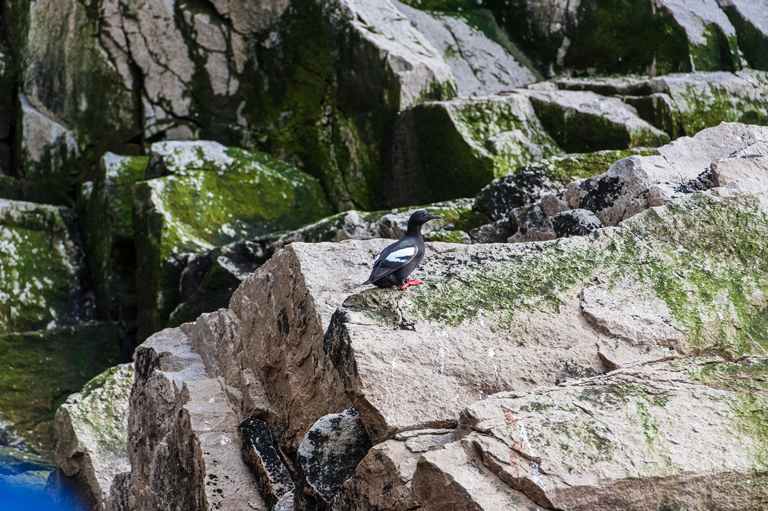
<point x="90" y="435"/>
<point x="651" y="435"/>
<point x="42" y="272"/>
<point x="586" y="122"/>
<point x="208" y="196"/>
<point x="643" y="37"/>
<point x="182" y="435"/>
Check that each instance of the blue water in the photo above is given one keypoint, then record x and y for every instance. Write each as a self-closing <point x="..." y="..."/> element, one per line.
<point x="17" y="498"/>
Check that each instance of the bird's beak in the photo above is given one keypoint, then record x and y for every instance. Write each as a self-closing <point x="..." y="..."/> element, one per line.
<point x="432" y="217"/>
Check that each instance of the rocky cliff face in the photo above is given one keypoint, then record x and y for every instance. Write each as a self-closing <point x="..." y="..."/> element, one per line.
<point x="156" y="156"/>
<point x="578" y="373"/>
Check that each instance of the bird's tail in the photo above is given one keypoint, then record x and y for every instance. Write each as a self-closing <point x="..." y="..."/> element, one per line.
<point x="369" y="281"/>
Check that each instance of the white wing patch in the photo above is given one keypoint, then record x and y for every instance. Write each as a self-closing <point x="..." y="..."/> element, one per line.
<point x="402" y="255"/>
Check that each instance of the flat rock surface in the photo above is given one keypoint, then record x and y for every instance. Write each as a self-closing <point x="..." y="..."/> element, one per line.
<point x="652" y="435"/>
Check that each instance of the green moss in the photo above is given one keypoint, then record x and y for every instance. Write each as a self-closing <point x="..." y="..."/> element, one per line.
<point x="40" y="267"/>
<point x="197" y="210"/>
<point x="40" y="369"/>
<point x="748" y="375"/>
<point x="703" y="258"/>
<point x="567" y="168"/>
<point x="751" y="417"/>
<point x="718" y="53"/>
<point x="108" y="222"/>
<point x="752" y="42"/>
<point x="448" y="236"/>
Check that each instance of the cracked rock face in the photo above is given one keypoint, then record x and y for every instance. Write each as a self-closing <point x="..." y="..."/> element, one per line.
<point x="648" y="430"/>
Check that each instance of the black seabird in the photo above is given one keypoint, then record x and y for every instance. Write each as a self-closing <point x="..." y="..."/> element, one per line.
<point x="397" y="261"/>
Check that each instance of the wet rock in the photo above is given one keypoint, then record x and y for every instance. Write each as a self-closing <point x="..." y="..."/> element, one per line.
<point x="576" y="222"/>
<point x="90" y="433"/>
<point x="260" y="454"/>
<point x="43" y="367"/>
<point x="24" y="469"/>
<point x="207" y="203"/>
<point x="328" y="456"/>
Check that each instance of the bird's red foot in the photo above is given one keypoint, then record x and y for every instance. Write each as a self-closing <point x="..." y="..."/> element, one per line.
<point x="414" y="282"/>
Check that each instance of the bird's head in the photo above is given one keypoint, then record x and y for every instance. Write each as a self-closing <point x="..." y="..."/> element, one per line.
<point x="419" y="218"/>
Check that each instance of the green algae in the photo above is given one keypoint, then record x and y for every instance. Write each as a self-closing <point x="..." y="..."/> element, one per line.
<point x="39" y="371"/>
<point x="702" y="257"/>
<point x="40" y="269"/>
<point x="197" y="210"/>
<point x="564" y="169"/>
<point x="752" y="42"/>
<point x="108" y="222"/>
<point x="719" y="52"/>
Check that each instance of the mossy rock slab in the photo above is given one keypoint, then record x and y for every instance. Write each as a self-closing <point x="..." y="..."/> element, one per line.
<point x="750" y="19"/>
<point x="40" y="369"/>
<point x="584" y="122"/>
<point x="108" y="223"/>
<point x="647" y="430"/>
<point x="701" y="100"/>
<point x="657" y="287"/>
<point x="42" y="268"/>
<point x="91" y="434"/>
<point x="195" y="210"/>
<point x="446" y="150"/>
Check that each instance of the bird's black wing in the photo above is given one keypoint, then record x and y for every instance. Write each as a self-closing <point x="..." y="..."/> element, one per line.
<point x="392" y="259"/>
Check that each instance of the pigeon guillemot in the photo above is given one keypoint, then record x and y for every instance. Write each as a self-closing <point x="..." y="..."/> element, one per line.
<point x="397" y="261"/>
